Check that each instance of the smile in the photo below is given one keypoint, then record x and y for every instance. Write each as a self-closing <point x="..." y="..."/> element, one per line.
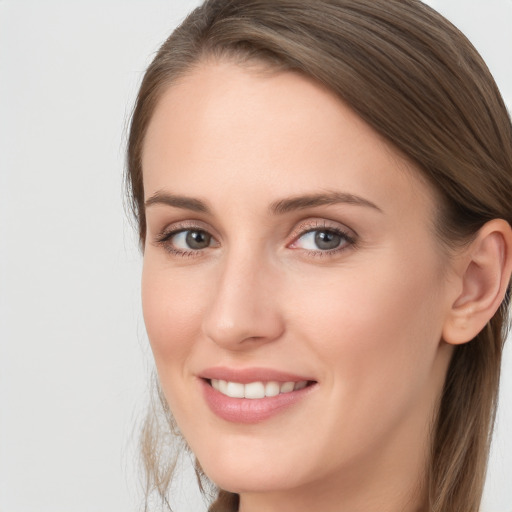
<point x="256" y="390"/>
<point x="252" y="395"/>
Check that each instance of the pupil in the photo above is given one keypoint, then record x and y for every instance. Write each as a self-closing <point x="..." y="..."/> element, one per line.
<point x="327" y="240"/>
<point x="198" y="239"/>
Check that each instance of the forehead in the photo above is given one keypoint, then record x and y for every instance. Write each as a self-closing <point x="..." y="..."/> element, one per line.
<point x="224" y="125"/>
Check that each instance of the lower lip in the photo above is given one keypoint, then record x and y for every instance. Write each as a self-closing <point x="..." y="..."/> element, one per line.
<point x="248" y="410"/>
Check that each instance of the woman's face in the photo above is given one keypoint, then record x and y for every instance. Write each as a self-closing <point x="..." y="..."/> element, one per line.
<point x="287" y="246"/>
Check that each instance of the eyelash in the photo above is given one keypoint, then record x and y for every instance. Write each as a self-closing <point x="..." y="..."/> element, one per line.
<point x="164" y="238"/>
<point x="349" y="240"/>
<point x="321" y="227"/>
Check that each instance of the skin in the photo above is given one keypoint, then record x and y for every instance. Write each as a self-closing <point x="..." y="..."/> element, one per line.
<point x="365" y="321"/>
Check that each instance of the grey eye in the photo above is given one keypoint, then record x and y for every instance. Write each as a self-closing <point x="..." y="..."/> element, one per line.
<point x="191" y="239"/>
<point x="197" y="239"/>
<point x="326" y="240"/>
<point x="321" y="239"/>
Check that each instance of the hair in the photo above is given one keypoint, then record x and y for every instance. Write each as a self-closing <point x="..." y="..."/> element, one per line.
<point x="418" y="81"/>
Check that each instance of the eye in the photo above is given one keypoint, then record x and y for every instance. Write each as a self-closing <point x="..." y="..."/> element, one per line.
<point x="325" y="240"/>
<point x="194" y="239"/>
<point x="186" y="242"/>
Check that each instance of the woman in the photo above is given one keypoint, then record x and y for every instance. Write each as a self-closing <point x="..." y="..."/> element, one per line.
<point x="323" y="192"/>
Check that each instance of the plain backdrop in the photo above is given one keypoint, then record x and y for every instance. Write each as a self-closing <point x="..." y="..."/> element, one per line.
<point x="74" y="359"/>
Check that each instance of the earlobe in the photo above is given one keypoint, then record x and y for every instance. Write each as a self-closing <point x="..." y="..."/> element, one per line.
<point x="485" y="275"/>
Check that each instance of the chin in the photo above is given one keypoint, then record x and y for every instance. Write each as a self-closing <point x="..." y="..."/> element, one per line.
<point x="249" y="470"/>
<point x="248" y="480"/>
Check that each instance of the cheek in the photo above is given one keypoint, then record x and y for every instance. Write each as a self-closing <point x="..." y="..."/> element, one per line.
<point x="379" y="334"/>
<point x="172" y="312"/>
<point x="172" y="315"/>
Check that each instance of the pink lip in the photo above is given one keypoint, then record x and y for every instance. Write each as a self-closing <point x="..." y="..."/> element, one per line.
<point x="243" y="410"/>
<point x="246" y="375"/>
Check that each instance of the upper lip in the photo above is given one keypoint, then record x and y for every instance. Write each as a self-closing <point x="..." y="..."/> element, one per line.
<point x="247" y="375"/>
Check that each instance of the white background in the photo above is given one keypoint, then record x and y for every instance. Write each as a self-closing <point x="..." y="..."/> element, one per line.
<point x="74" y="358"/>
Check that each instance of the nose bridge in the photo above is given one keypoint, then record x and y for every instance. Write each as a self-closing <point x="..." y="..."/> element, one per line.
<point x="242" y="304"/>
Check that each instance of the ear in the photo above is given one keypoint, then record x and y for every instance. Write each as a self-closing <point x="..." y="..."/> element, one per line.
<point x="484" y="275"/>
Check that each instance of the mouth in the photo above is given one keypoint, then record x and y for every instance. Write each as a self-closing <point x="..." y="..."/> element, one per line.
<point x="253" y="395"/>
<point x="258" y="389"/>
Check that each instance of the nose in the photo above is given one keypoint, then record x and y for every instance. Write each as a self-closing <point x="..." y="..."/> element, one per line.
<point x="244" y="310"/>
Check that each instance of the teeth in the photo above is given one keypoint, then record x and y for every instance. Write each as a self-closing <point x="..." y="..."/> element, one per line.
<point x="272" y="389"/>
<point x="223" y="387"/>
<point x="235" y="390"/>
<point x="287" y="387"/>
<point x="254" y="390"/>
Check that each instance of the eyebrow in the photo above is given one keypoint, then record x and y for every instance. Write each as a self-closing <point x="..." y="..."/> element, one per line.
<point x="186" y="203"/>
<point x="279" y="207"/>
<point x="312" y="200"/>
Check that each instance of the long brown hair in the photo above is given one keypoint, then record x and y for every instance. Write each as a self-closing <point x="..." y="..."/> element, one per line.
<point x="419" y="82"/>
